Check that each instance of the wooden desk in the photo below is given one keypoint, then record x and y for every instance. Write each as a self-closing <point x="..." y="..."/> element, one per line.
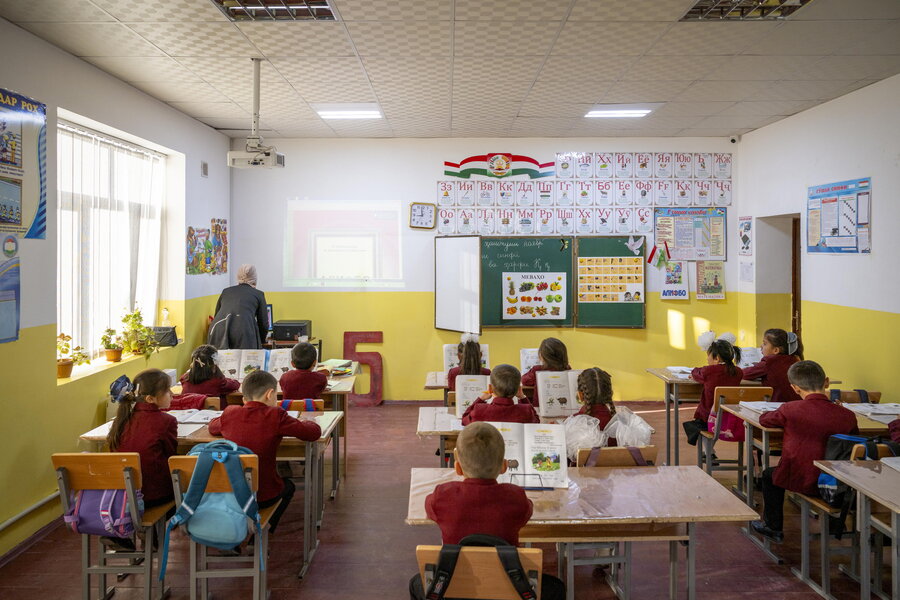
<point x="273" y="344"/>
<point x="432" y="422"/>
<point x="291" y="449"/>
<point x="873" y="481"/>
<point x="618" y="504"/>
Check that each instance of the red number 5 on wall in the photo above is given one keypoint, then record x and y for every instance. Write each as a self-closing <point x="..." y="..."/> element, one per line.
<point x="373" y="359"/>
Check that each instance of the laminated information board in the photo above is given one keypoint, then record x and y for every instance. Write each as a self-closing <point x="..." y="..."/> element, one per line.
<point x="692" y="233"/>
<point x="611" y="282"/>
<point x="838" y="217"/>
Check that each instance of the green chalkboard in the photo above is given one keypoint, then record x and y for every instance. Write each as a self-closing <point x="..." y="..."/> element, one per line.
<point x="608" y="272"/>
<point x="528" y="257"/>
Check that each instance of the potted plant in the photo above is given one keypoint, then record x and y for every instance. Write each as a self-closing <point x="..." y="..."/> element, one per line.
<point x="67" y="356"/>
<point x="112" y="345"/>
<point x="137" y="338"/>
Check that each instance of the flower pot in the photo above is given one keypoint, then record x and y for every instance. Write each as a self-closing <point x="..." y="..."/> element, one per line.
<point x="64" y="368"/>
<point x="113" y="355"/>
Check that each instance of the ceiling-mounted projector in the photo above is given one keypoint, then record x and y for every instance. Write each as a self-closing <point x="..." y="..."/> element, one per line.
<point x="255" y="155"/>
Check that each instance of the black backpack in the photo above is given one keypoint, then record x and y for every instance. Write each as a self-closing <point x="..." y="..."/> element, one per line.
<point x="525" y="583"/>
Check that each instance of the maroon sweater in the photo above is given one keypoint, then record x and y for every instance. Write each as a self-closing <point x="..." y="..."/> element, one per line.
<point x="452" y="373"/>
<point x="462" y="508"/>
<point x="217" y="386"/>
<point x="500" y="410"/>
<point x="894" y="427"/>
<point x="298" y="384"/>
<point x="712" y="376"/>
<point x="772" y="371"/>
<point x="154" y="435"/>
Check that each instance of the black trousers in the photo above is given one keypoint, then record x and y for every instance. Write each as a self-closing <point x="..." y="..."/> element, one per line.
<point x="552" y="588"/>
<point x="773" y="499"/>
<point x="286" y="494"/>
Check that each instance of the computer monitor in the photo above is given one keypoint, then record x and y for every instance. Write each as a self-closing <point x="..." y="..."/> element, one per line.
<point x="269" y="314"/>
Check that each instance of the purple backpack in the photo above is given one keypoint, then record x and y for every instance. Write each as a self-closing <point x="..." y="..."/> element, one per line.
<point x="102" y="512"/>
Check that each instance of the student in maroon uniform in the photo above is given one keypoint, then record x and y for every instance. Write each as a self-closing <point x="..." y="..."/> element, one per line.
<point x="720" y="370"/>
<point x="205" y="377"/>
<point x="478" y="504"/>
<point x="260" y="425"/>
<point x="595" y="394"/>
<point x="894" y="428"/>
<point x="780" y="350"/>
<point x="303" y="382"/>
<point x="504" y="401"/>
<point x="469" y="354"/>
<point x="554" y="357"/>
<point x="807" y="426"/>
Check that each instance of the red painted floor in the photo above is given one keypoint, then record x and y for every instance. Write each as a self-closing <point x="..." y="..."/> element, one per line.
<point x="366" y="550"/>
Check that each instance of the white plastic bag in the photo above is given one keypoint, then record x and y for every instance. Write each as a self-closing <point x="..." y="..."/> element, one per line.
<point x="628" y="428"/>
<point x="582" y="431"/>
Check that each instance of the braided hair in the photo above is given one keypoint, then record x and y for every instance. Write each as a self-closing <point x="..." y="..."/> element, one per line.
<point x="470" y="358"/>
<point x="203" y="365"/>
<point x="724" y="351"/>
<point x="595" y="386"/>
<point x="152" y="383"/>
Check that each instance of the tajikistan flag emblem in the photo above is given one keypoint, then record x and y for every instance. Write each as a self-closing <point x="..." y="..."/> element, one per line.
<point x="499" y="165"/>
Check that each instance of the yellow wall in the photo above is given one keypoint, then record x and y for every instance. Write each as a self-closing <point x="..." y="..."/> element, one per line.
<point x="758" y="312"/>
<point x="43" y="416"/>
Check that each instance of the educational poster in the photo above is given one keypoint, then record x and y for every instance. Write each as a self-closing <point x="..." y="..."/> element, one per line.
<point x="565" y="221"/>
<point x="643" y="219"/>
<point x="525" y="220"/>
<point x="722" y="192"/>
<point x="506" y="193"/>
<point x="684" y="192"/>
<point x="745" y="235"/>
<point x="199" y="251"/>
<point x="838" y="217"/>
<point x="565" y="193"/>
<point x="524" y="193"/>
<point x="692" y="233"/>
<point x="603" y="165"/>
<point x="584" y="193"/>
<point x="662" y="165"/>
<point x="485" y="218"/>
<point x="624" y="220"/>
<point x="505" y="221"/>
<point x="643" y="166"/>
<point x="610" y="279"/>
<point x="605" y="221"/>
<point x="564" y="167"/>
<point x="584" y="165"/>
<point x="624" y="192"/>
<point x="710" y="280"/>
<point x="10" y="291"/>
<point x="446" y="221"/>
<point x="465" y="221"/>
<point x="747" y="272"/>
<point x="662" y="192"/>
<point x="465" y="193"/>
<point x="446" y="193"/>
<point x="702" y="192"/>
<point x="485" y="192"/>
<point x="675" y="281"/>
<point x="219" y="233"/>
<point x="544" y="193"/>
<point x="643" y="192"/>
<point x="722" y="165"/>
<point x="532" y="295"/>
<point x="584" y="220"/>
<point x="624" y="165"/>
<point x="683" y="166"/>
<point x="23" y="166"/>
<point x="702" y="165"/>
<point x="603" y="192"/>
<point x="545" y="221"/>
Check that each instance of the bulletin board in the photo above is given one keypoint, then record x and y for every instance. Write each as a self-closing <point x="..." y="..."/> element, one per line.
<point x="692" y="233"/>
<point x="529" y="275"/>
<point x="610" y="283"/>
<point x="838" y="217"/>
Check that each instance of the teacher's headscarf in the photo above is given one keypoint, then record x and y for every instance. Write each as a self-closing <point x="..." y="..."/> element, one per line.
<point x="247" y="274"/>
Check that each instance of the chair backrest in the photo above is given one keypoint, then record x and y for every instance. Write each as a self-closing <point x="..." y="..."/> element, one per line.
<point x="852" y="397"/>
<point x="479" y="573"/>
<point x="182" y="469"/>
<point x="858" y="452"/>
<point x="740" y="393"/>
<point x="614" y="456"/>
<point x="98" y="470"/>
<point x="451" y="398"/>
<point x="300" y="405"/>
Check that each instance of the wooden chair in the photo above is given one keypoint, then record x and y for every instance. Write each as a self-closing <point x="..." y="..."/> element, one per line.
<point x="479" y="573"/>
<point x="618" y="457"/>
<point x="300" y="405"/>
<point x="112" y="471"/>
<point x="182" y="468"/>
<point x="450" y="400"/>
<point x="852" y="397"/>
<point x="724" y="396"/>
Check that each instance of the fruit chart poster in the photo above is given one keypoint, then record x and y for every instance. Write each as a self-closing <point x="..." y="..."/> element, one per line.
<point x="534" y="295"/>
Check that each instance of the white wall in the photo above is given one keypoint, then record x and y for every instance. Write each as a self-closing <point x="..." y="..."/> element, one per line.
<point x="42" y="71"/>
<point x="855" y="136"/>
<point x="404" y="171"/>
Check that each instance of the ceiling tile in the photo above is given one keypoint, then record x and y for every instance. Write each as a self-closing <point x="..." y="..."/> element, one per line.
<point x="196" y="39"/>
<point x="801" y="90"/>
<point x="299" y="38"/>
<point x="629" y="10"/>
<point x="647" y="133"/>
<point x="242" y="91"/>
<point x="760" y="68"/>
<point x="305" y="132"/>
<point x="144" y="68"/>
<point x="480" y="68"/>
<point x="814" y="37"/>
<point x="181" y="91"/>
<point x="238" y="70"/>
<point x="93" y="39"/>
<point x="502" y="94"/>
<point x="822" y="10"/>
<point x="735" y="122"/>
<point x="709" y="38"/>
<point x="416" y="112"/>
<point x="401" y="39"/>
<point x="509" y="10"/>
<point x="161" y="10"/>
<point x="587" y="92"/>
<point x="336" y="91"/>
<point x="232" y="124"/>
<point x="395" y="10"/>
<point x="706" y="91"/>
<point x="513" y="37"/>
<point x="71" y="11"/>
<point x="644" y="91"/>
<point x="580" y="68"/>
<point x="306" y="69"/>
<point x="656" y="68"/>
<point x="853" y="67"/>
<point x="552" y="109"/>
<point x="421" y="96"/>
<point x="767" y="108"/>
<point x="691" y="109"/>
<point x="722" y="133"/>
<point x="883" y="42"/>
<point x="607" y="39"/>
<point x="383" y="69"/>
<point x="223" y="110"/>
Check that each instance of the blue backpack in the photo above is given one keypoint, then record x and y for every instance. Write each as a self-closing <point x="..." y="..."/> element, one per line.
<point x="215" y="519"/>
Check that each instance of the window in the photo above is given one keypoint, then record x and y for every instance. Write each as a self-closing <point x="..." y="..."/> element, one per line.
<point x="111" y="196"/>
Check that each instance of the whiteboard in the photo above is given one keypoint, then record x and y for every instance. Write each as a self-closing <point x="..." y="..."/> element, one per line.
<point x="457" y="283"/>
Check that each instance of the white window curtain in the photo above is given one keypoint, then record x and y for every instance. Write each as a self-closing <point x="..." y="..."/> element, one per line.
<point x="111" y="196"/>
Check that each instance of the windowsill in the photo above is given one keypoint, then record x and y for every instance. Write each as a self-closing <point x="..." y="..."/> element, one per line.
<point x="100" y="364"/>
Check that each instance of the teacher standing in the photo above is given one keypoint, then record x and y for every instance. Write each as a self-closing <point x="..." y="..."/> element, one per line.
<point x="241" y="320"/>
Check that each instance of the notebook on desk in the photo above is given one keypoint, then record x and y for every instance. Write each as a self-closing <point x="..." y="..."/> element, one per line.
<point x="892" y="461"/>
<point x="759" y="407"/>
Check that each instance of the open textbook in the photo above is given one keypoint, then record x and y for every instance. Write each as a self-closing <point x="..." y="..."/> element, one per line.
<point x="528" y="357"/>
<point x="451" y="359"/>
<point x="749" y="357"/>
<point x="558" y="393"/>
<point x="237" y="364"/>
<point x="468" y="389"/>
<point x="535" y="454"/>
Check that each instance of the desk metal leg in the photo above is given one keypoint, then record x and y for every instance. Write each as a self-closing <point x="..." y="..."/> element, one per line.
<point x="748" y="458"/>
<point x="446" y="397"/>
<point x="570" y="570"/>
<point x="666" y="400"/>
<point x="691" y="563"/>
<point x="310" y="537"/>
<point x="864" y="515"/>
<point x="673" y="570"/>
<point x="676" y="400"/>
<point x="335" y="462"/>
<point x="895" y="555"/>
<point x="320" y="487"/>
<point x="441" y="450"/>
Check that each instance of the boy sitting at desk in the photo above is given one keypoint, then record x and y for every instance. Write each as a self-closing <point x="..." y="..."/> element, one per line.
<point x="303" y="382"/>
<point x="478" y="504"/>
<point x="260" y="426"/>
<point x="504" y="401"/>
<point x="807" y="426"/>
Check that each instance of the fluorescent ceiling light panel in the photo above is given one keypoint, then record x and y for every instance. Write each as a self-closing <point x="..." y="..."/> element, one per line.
<point x="367" y="110"/>
<point x="621" y="111"/>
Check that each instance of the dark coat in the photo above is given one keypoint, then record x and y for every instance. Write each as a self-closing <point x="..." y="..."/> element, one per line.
<point x="241" y="320"/>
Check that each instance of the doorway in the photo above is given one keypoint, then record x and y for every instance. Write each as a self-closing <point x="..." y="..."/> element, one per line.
<point x="796" y="254"/>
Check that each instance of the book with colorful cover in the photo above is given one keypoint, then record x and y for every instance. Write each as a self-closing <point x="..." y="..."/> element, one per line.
<point x="535" y="454"/>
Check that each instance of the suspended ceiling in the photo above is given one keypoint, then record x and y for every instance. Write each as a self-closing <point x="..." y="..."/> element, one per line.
<point x="470" y="68"/>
